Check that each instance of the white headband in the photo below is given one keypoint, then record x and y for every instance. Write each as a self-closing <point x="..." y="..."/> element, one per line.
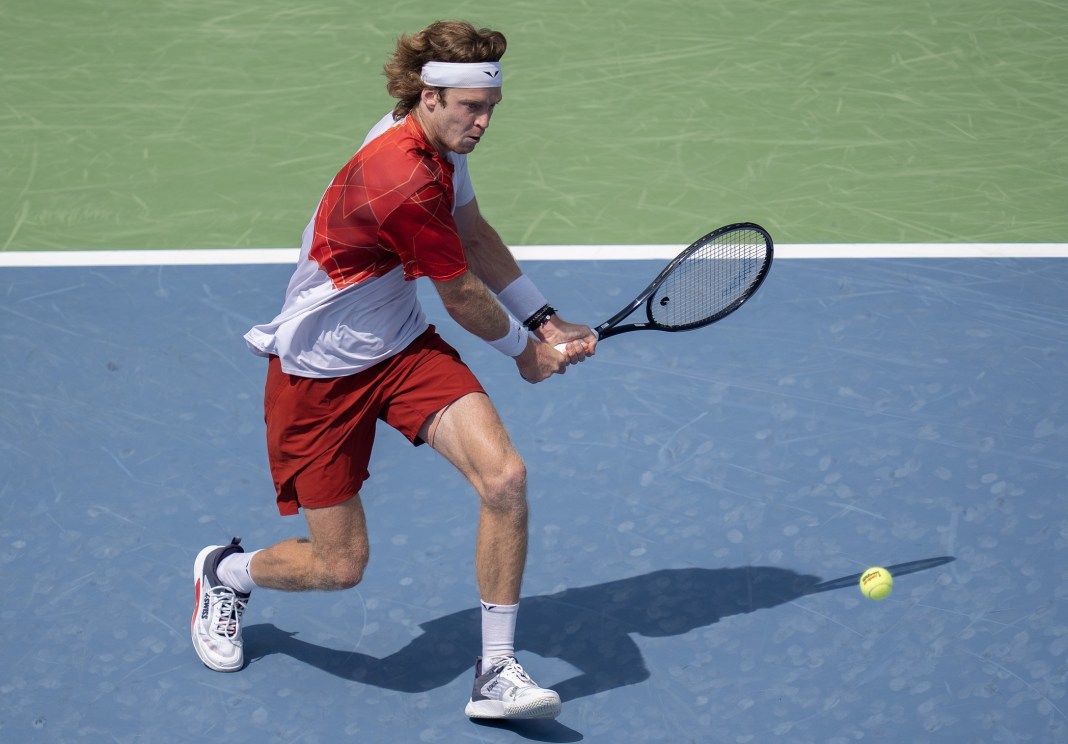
<point x="462" y="74"/>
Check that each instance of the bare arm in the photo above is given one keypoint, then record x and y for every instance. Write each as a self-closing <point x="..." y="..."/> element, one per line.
<point x="470" y="303"/>
<point x="491" y="261"/>
<point x="487" y="255"/>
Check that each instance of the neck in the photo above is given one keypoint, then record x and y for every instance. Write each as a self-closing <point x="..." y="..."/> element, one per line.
<point x="424" y="124"/>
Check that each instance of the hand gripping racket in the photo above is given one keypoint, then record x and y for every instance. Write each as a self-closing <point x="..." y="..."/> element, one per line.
<point x="706" y="282"/>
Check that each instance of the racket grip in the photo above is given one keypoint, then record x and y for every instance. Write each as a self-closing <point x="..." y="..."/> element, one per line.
<point x="561" y="347"/>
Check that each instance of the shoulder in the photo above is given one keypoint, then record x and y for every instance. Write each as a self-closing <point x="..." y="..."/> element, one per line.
<point x="399" y="158"/>
<point x="384" y="124"/>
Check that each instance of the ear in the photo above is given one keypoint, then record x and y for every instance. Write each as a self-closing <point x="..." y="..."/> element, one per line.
<point x="430" y="98"/>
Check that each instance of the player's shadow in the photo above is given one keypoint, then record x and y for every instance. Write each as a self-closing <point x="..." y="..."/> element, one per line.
<point x="588" y="627"/>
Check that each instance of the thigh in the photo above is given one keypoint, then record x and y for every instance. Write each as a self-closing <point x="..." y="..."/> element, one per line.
<point x="469" y="434"/>
<point x="338" y="531"/>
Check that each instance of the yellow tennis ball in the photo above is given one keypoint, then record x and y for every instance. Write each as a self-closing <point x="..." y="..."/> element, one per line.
<point x="876" y="583"/>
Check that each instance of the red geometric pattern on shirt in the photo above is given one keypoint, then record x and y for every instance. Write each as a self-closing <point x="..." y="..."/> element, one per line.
<point x="390" y="205"/>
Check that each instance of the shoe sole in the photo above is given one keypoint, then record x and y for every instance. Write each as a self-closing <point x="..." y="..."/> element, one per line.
<point x="534" y="709"/>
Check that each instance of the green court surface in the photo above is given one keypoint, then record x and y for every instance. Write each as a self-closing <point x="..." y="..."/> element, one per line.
<point x="131" y="124"/>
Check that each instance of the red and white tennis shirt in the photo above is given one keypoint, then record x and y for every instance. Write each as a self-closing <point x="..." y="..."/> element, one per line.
<point x="385" y="220"/>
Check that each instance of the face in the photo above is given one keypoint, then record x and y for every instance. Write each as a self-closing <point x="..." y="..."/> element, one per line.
<point x="457" y="123"/>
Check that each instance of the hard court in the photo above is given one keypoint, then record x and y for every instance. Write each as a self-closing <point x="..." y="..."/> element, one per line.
<point x="702" y="504"/>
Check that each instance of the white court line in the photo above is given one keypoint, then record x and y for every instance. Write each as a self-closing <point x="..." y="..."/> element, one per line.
<point x="804" y="250"/>
<point x="248" y="256"/>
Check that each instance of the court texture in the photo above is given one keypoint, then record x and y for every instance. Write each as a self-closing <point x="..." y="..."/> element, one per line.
<point x="702" y="503"/>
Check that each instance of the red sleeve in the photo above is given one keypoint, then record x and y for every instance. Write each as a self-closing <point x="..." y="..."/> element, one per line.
<point x="422" y="232"/>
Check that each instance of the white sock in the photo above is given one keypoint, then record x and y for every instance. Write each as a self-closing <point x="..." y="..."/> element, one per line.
<point x="233" y="570"/>
<point x="498" y="632"/>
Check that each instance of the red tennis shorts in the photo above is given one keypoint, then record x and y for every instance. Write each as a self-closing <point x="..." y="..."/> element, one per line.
<point x="320" y="431"/>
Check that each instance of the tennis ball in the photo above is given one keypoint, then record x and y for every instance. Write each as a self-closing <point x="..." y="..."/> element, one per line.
<point x="876" y="583"/>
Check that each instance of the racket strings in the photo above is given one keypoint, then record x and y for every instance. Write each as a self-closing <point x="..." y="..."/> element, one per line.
<point x="714" y="279"/>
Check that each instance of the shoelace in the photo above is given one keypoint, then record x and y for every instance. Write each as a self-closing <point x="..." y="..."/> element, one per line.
<point x="511" y="667"/>
<point x="227" y="610"/>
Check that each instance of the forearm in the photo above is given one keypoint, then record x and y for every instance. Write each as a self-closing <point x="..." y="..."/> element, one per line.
<point x="468" y="301"/>
<point x="476" y="310"/>
<point x="489" y="258"/>
<point x="525" y="302"/>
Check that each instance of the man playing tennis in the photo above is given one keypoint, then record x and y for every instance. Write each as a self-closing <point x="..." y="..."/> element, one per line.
<point x="351" y="345"/>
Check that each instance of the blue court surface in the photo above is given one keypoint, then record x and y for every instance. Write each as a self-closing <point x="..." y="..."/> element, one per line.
<point x="702" y="506"/>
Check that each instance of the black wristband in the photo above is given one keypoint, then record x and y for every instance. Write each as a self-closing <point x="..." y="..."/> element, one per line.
<point x="540" y="318"/>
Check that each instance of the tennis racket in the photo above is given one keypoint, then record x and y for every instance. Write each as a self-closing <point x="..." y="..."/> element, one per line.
<point x="706" y="282"/>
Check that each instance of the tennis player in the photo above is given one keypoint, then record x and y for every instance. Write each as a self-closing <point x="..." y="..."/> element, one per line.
<point x="352" y="345"/>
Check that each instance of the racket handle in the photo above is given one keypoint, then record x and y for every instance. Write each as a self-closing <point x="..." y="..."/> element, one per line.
<point x="561" y="347"/>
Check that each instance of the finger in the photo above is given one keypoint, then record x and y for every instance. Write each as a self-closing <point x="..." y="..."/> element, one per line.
<point x="579" y="351"/>
<point x="575" y="349"/>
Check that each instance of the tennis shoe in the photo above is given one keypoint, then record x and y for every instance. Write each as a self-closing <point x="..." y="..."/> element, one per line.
<point x="216" y="624"/>
<point x="506" y="691"/>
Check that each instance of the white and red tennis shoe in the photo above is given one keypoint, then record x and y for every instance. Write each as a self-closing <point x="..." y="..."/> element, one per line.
<point x="216" y="624"/>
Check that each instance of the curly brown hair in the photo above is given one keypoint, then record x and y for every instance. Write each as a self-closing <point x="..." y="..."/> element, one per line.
<point x="442" y="41"/>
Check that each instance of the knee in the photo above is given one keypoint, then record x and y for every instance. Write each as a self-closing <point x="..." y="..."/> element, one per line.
<point x="506" y="489"/>
<point x="343" y="572"/>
